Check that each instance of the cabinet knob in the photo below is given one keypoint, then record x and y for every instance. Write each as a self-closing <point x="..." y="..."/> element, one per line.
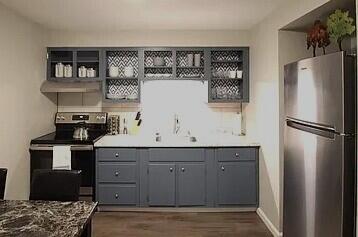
<point x="116" y="196"/>
<point x="182" y="169"/>
<point x="237" y="155"/>
<point x="171" y="169"/>
<point x="117" y="155"/>
<point x="222" y="168"/>
<point x="116" y="173"/>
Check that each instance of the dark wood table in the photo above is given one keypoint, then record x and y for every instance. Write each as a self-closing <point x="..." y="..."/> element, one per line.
<point x="45" y="218"/>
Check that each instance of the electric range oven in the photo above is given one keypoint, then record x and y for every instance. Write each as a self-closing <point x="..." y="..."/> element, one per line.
<point x="82" y="151"/>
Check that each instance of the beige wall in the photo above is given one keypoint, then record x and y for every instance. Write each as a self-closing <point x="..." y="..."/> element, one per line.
<point x="150" y="38"/>
<point x="26" y="113"/>
<point x="266" y="110"/>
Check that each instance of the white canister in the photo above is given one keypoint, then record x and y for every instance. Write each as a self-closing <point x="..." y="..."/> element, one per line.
<point x="59" y="70"/>
<point x="82" y="71"/>
<point x="113" y="71"/>
<point x="232" y="74"/>
<point x="68" y="70"/>
<point x="158" y="61"/>
<point x="239" y="74"/>
<point x="190" y="59"/>
<point x="91" y="72"/>
<point x="128" y="71"/>
<point x="197" y="58"/>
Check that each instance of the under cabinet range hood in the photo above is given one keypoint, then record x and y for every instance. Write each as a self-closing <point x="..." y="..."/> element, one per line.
<point x="83" y="87"/>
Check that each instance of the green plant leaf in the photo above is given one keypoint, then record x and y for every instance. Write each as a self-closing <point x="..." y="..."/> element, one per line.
<point x="340" y="25"/>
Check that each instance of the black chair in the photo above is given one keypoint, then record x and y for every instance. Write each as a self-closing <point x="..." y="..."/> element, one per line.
<point x="55" y="185"/>
<point x="3" y="174"/>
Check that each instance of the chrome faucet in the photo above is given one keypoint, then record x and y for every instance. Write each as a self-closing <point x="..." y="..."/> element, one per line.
<point x="176" y="124"/>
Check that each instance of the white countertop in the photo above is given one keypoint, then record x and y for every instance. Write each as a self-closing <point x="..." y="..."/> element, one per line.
<point x="174" y="141"/>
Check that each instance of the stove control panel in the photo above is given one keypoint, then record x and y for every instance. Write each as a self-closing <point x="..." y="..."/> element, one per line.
<point x="73" y="118"/>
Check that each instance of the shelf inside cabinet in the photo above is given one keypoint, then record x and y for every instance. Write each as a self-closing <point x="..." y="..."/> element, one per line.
<point x="158" y="67"/>
<point x="62" y="61"/>
<point x="187" y="67"/>
<point x="226" y="78"/>
<point x="226" y="61"/>
<point x="122" y="78"/>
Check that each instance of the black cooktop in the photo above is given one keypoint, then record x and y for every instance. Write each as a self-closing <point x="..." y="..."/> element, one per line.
<point x="66" y="138"/>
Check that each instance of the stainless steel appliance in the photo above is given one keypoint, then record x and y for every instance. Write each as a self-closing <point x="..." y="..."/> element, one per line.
<point x="319" y="156"/>
<point x="82" y="152"/>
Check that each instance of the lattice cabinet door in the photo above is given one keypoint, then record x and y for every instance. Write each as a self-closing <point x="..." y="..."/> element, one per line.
<point x="122" y="75"/>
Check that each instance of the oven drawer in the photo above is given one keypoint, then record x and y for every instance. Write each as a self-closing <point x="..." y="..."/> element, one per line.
<point x="117" y="194"/>
<point x="236" y="154"/>
<point x="111" y="172"/>
<point x="117" y="154"/>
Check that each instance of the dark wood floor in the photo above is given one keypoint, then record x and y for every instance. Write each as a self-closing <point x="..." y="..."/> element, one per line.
<point x="138" y="224"/>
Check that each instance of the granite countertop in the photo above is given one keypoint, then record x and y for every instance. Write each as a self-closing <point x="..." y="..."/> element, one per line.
<point x="44" y="218"/>
<point x="175" y="141"/>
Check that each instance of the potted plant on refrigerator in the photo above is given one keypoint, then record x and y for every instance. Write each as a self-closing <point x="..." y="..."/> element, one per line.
<point x="340" y="25"/>
<point x="318" y="36"/>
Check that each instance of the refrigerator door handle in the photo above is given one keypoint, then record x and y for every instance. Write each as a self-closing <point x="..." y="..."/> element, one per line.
<point x="317" y="129"/>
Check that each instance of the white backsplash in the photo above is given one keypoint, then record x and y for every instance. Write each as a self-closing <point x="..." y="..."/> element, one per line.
<point x="160" y="100"/>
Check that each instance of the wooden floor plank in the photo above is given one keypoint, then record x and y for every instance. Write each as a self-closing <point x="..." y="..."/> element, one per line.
<point x="144" y="224"/>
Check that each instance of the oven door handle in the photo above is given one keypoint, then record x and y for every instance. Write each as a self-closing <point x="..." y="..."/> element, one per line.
<point x="50" y="147"/>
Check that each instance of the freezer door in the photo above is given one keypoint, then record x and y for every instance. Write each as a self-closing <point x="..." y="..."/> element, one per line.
<point x="316" y="88"/>
<point x="313" y="182"/>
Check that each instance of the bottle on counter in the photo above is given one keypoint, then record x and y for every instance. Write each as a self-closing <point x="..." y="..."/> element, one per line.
<point x="125" y="129"/>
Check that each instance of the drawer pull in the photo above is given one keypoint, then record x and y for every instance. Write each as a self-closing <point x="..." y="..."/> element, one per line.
<point x="222" y="168"/>
<point x="117" y="154"/>
<point x="237" y="155"/>
<point x="171" y="169"/>
<point x="116" y="196"/>
<point x="182" y="169"/>
<point x="116" y="173"/>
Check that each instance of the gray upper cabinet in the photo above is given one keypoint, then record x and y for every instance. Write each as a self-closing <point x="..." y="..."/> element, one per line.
<point x="237" y="183"/>
<point x="86" y="59"/>
<point x="161" y="190"/>
<point x="191" y="184"/>
<point x="121" y="69"/>
<point x="229" y="75"/>
<point x="122" y="73"/>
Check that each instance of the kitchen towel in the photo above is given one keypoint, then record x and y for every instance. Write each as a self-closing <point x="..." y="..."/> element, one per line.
<point x="61" y="158"/>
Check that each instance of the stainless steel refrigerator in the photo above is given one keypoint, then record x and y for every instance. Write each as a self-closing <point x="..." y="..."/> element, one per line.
<point x="320" y="148"/>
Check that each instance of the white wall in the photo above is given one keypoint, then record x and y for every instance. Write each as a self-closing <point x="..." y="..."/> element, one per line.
<point x="266" y="110"/>
<point x="26" y="113"/>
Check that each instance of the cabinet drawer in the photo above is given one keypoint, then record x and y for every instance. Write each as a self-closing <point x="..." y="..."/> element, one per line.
<point x="177" y="154"/>
<point x="117" y="154"/>
<point x="236" y="154"/>
<point x="114" y="172"/>
<point x="117" y="194"/>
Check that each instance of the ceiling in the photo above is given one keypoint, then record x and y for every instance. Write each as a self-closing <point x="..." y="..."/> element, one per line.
<point x="114" y="15"/>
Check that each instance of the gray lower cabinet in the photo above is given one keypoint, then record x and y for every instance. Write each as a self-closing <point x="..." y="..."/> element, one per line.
<point x="161" y="190"/>
<point x="177" y="177"/>
<point x="237" y="184"/>
<point x="117" y="194"/>
<point x="191" y="185"/>
<point x="117" y="176"/>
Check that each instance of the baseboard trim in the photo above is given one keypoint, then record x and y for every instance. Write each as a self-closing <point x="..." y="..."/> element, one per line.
<point x="175" y="209"/>
<point x="268" y="223"/>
